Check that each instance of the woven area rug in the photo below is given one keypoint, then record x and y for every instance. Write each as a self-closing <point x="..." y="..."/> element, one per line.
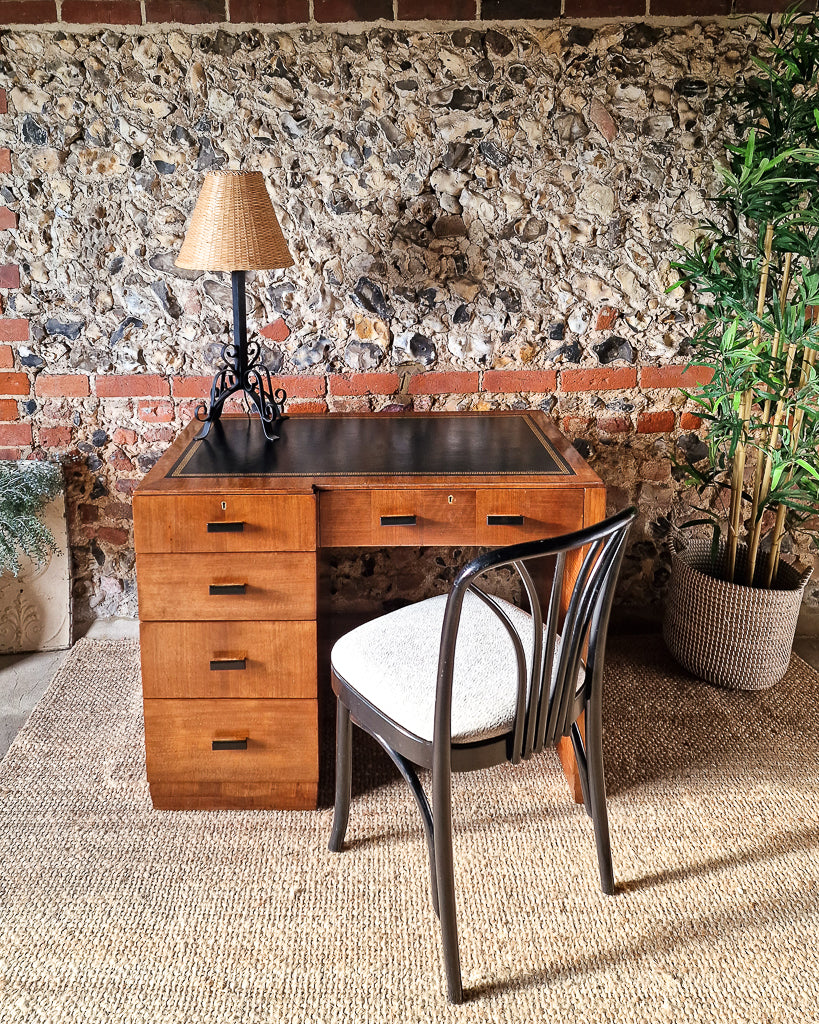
<point x="111" y="911"/>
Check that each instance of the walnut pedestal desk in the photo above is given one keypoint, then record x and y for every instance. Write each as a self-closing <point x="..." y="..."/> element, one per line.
<point x="228" y="530"/>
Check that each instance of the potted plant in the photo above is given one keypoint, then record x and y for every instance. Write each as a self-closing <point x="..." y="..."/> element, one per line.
<point x="754" y="271"/>
<point x="33" y="606"/>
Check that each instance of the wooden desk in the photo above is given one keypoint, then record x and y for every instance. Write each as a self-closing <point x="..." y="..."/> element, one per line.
<point x="227" y="533"/>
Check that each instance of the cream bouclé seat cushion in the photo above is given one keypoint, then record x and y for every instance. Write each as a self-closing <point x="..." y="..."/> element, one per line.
<point x="392" y="662"/>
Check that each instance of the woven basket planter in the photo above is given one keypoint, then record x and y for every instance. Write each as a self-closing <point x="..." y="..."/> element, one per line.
<point x="731" y="635"/>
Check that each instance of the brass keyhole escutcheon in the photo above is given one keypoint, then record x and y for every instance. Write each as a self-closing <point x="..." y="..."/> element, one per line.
<point x="224" y="506"/>
<point x="451" y="499"/>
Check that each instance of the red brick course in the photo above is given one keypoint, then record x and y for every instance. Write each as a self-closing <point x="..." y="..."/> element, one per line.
<point x="54" y="437"/>
<point x="62" y="385"/>
<point x="128" y="385"/>
<point x="14" y="384"/>
<point x="614" y="424"/>
<point x="306" y="407"/>
<point x="352" y="10"/>
<point x="112" y="535"/>
<point x="8" y="219"/>
<point x="675" y="375"/>
<point x="655" y="422"/>
<point x="108" y="12"/>
<point x="277" y="12"/>
<point x="15" y="433"/>
<point x="13" y="330"/>
<point x="27" y="12"/>
<point x="433" y="10"/>
<point x="609" y="378"/>
<point x="124" y="435"/>
<point x="9" y="276"/>
<point x="186" y="12"/>
<point x="6" y="356"/>
<point x="606" y="317"/>
<point x="278" y="330"/>
<point x="453" y="382"/>
<point x="191" y="387"/>
<point x="363" y="384"/>
<point x="307" y="386"/>
<point x="9" y="410"/>
<point x="513" y="381"/>
<point x="5" y="154"/>
<point x="689" y="421"/>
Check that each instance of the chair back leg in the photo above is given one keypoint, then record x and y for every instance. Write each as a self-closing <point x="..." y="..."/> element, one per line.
<point x="597" y="795"/>
<point x="344" y="758"/>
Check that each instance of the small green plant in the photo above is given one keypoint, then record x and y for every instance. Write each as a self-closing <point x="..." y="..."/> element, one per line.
<point x="25" y="489"/>
<point x="755" y="276"/>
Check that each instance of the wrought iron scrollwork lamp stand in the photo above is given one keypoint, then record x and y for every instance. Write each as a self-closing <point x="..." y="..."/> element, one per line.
<point x="234" y="228"/>
<point x="244" y="372"/>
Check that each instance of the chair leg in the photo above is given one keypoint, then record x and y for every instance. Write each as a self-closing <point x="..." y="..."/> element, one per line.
<point x="344" y="758"/>
<point x="445" y="876"/>
<point x="597" y="797"/>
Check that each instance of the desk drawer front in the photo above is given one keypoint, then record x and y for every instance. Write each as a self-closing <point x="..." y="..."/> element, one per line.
<point x="209" y="741"/>
<point x="228" y="659"/>
<point x="509" y="515"/>
<point x="247" y="522"/>
<point x="257" y="585"/>
<point x="396" y="517"/>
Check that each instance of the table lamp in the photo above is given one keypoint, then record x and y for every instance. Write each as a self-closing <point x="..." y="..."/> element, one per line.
<point x="234" y="228"/>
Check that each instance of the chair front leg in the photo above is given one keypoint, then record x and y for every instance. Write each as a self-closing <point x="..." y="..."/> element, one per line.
<point x="597" y="796"/>
<point x="445" y="876"/>
<point x="344" y="759"/>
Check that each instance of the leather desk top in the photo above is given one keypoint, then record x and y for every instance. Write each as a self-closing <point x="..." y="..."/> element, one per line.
<point x="326" y="446"/>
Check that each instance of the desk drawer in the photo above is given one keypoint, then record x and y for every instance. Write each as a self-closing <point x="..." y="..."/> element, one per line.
<point x="247" y="522"/>
<point x="509" y="515"/>
<point x="257" y="585"/>
<point x="256" y="740"/>
<point x="397" y="517"/>
<point x="228" y="659"/>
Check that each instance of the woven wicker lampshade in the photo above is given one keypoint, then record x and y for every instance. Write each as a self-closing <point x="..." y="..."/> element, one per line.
<point x="234" y="226"/>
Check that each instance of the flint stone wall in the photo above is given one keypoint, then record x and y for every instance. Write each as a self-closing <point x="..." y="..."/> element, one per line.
<point x="479" y="219"/>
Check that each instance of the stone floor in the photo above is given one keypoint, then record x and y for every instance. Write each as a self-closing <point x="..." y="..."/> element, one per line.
<point x="24" y="677"/>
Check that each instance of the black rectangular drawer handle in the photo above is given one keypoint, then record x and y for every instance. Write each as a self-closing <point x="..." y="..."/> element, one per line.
<point x="215" y="589"/>
<point x="228" y="664"/>
<point x="504" y="520"/>
<point x="398" y="520"/>
<point x="226" y="527"/>
<point x="229" y="744"/>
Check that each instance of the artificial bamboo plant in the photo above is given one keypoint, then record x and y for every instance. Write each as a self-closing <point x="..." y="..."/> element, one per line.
<point x="754" y="271"/>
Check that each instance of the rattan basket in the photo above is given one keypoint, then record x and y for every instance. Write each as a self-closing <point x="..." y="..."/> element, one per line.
<point x="731" y="635"/>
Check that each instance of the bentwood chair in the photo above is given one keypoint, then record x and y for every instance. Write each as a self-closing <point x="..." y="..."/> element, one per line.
<point x="465" y="681"/>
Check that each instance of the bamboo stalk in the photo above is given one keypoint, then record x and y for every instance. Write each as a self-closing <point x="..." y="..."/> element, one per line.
<point x="738" y="474"/>
<point x="762" y="476"/>
<point x="808" y="362"/>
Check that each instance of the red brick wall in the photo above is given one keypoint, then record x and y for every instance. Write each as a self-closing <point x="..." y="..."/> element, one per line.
<point x="205" y="12"/>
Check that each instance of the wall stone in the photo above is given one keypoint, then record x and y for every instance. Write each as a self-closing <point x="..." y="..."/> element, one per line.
<point x="480" y="218"/>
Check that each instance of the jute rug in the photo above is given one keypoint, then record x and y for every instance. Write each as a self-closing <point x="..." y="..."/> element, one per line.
<point x="111" y="911"/>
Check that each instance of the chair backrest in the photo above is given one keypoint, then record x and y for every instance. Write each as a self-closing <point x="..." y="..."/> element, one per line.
<point x="567" y="649"/>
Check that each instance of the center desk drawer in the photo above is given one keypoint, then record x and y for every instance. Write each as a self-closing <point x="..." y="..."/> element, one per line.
<point x="231" y="740"/>
<point x="257" y="585"/>
<point x="228" y="659"/>
<point x="396" y="517"/>
<point x="224" y="522"/>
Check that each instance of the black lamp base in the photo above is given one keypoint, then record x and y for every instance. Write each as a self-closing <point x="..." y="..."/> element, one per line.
<point x="243" y="372"/>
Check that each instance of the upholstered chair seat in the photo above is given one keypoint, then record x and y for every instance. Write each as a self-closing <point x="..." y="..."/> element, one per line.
<point x="392" y="662"/>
